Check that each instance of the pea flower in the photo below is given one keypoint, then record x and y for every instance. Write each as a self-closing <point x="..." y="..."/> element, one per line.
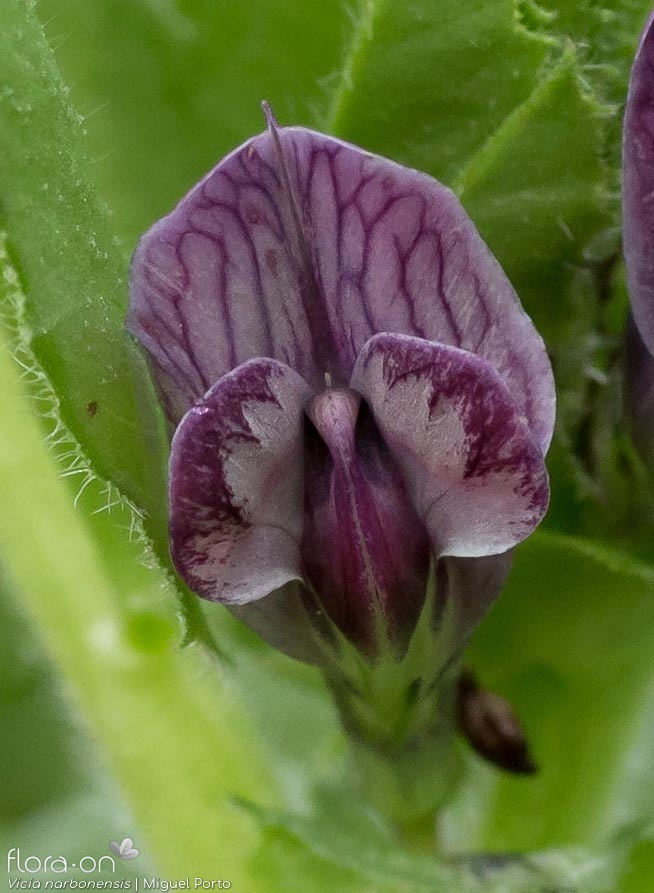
<point x="638" y="239"/>
<point x="360" y="405"/>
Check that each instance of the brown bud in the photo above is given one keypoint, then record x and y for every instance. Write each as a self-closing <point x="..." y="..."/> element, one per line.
<point x="491" y="727"/>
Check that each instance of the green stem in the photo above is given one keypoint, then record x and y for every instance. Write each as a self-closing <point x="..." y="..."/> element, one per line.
<point x="401" y="732"/>
<point x="410" y="785"/>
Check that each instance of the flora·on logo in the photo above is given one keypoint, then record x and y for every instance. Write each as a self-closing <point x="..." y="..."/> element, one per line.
<point x="32" y="864"/>
<point x="56" y="864"/>
<point x="125" y="849"/>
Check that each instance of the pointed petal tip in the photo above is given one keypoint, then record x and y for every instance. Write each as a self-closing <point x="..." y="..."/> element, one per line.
<point x="269" y="115"/>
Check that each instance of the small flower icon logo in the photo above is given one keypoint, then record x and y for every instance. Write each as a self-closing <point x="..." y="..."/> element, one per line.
<point x="125" y="849"/>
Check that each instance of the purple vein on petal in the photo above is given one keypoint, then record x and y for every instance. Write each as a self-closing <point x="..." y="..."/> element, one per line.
<point x="332" y="245"/>
<point x="322" y="336"/>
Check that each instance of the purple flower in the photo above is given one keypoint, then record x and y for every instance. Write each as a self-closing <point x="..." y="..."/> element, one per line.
<point x="638" y="240"/>
<point x="638" y="186"/>
<point x="361" y="405"/>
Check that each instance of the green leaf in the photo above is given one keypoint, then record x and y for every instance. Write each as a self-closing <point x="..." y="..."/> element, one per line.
<point x="283" y="863"/>
<point x="322" y="852"/>
<point x="366" y="853"/>
<point x="415" y="82"/>
<point x="569" y="644"/>
<point x="606" y="32"/>
<point x="72" y="272"/>
<point x="535" y="202"/>
<point x="171" y="87"/>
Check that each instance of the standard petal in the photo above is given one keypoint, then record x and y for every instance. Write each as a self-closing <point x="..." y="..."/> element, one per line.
<point x="236" y="485"/>
<point x="301" y="247"/>
<point x="638" y="186"/>
<point x="365" y="551"/>
<point x="476" y="475"/>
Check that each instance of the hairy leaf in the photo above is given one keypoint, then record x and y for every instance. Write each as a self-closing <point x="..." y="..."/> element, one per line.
<point x="73" y="274"/>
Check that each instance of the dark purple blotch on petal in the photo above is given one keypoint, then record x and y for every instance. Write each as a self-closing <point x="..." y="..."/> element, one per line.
<point x="474" y="471"/>
<point x="236" y="485"/>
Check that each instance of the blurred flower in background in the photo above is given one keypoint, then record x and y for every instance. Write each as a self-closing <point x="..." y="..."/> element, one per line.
<point x="638" y="240"/>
